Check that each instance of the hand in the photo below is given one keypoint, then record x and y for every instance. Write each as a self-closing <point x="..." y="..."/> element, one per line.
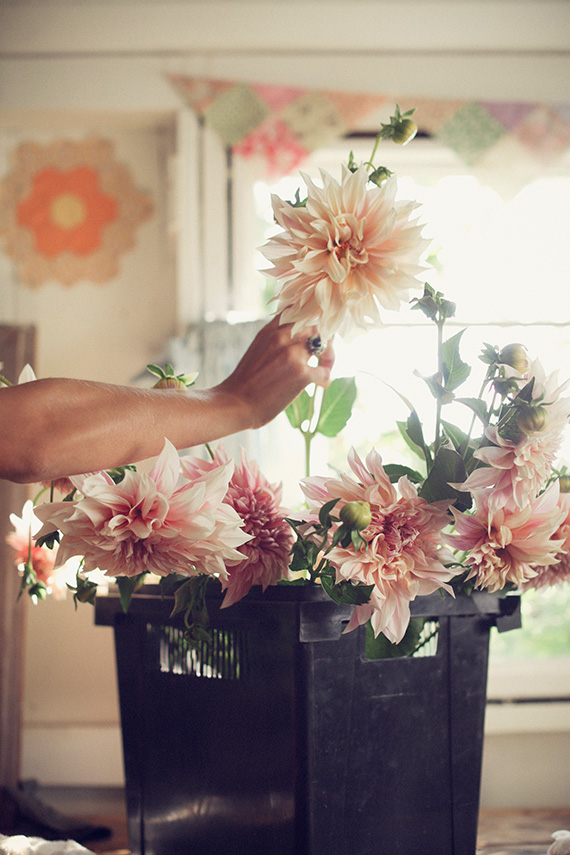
<point x="274" y="370"/>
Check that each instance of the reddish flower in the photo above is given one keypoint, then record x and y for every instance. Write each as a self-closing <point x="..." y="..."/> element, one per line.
<point x="42" y="558"/>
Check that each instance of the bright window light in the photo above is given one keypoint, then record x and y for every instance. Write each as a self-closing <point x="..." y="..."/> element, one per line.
<point x="503" y="258"/>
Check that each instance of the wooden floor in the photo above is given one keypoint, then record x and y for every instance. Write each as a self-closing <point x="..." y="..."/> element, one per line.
<point x="526" y="832"/>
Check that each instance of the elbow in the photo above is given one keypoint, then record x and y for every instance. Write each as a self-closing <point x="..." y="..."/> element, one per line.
<point x="26" y="466"/>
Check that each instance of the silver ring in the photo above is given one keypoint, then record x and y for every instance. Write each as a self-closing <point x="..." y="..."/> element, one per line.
<point x="315" y="345"/>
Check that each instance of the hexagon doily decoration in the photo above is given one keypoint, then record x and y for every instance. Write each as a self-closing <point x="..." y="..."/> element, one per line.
<point x="69" y="211"/>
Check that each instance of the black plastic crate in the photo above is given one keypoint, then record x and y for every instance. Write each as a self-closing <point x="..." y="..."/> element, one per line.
<point x="281" y="738"/>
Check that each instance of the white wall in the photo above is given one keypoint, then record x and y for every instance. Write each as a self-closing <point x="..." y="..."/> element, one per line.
<point x="68" y="67"/>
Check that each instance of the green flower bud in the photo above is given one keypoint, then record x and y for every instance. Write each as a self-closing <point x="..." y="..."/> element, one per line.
<point x="170" y="383"/>
<point x="404" y="131"/>
<point x="532" y="419"/>
<point x="167" y="379"/>
<point x="564" y="482"/>
<point x="516" y="356"/>
<point x="379" y="175"/>
<point x="356" y="515"/>
<point x="506" y="387"/>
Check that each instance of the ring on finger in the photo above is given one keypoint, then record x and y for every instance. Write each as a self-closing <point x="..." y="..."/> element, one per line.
<point x="315" y="345"/>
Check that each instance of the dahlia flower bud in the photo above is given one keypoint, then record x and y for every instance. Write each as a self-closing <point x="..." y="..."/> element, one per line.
<point x="532" y="419"/>
<point x="404" y="131"/>
<point x="356" y="515"/>
<point x="167" y="379"/>
<point x="516" y="356"/>
<point x="170" y="383"/>
<point x="379" y="175"/>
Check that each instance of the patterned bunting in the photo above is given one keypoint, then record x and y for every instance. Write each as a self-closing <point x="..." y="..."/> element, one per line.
<point x="282" y="125"/>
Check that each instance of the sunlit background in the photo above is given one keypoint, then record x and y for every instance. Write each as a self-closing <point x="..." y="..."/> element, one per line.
<point x="500" y="251"/>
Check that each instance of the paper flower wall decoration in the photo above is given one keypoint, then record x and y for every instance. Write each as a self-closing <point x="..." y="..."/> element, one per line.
<point x="69" y="211"/>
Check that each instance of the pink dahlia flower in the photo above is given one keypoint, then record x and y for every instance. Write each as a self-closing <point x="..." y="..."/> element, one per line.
<point x="554" y="574"/>
<point x="350" y="249"/>
<point x="148" y="522"/>
<point x="403" y="557"/>
<point x="505" y="544"/>
<point x="42" y="558"/>
<point x="515" y="472"/>
<point x="258" y="503"/>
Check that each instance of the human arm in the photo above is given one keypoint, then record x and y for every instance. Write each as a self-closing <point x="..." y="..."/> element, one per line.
<point x="56" y="427"/>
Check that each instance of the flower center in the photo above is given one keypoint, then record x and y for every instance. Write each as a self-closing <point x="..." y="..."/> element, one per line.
<point x="342" y="249"/>
<point x="68" y="211"/>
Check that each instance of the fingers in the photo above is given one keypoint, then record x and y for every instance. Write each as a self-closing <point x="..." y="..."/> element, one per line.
<point x="317" y="368"/>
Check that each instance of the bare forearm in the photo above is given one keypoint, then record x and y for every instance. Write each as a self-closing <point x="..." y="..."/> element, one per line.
<point x="57" y="427"/>
<point x="69" y="427"/>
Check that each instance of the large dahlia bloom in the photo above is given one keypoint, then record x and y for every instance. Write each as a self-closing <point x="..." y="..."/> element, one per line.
<point x="554" y="574"/>
<point x="265" y="557"/>
<point x="148" y="522"/>
<point x="403" y="556"/>
<point x="504" y="545"/>
<point x="515" y="471"/>
<point x="349" y="250"/>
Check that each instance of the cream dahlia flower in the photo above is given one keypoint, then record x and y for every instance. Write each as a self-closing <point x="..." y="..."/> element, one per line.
<point x="504" y="545"/>
<point x="402" y="556"/>
<point x="148" y="522"/>
<point x="349" y="250"/>
<point x="554" y="574"/>
<point x="515" y="471"/>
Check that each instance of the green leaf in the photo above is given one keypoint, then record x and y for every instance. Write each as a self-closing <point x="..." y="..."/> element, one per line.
<point x="436" y="387"/>
<point x="345" y="592"/>
<point x="455" y="371"/>
<point x="455" y="435"/>
<point x="381" y="648"/>
<point x="156" y="370"/>
<point x="402" y="427"/>
<point x="293" y="583"/>
<point x="490" y="354"/>
<point x="415" y="432"/>
<point x="127" y="586"/>
<point x="50" y="539"/>
<point x="299" y="411"/>
<point x="336" y="408"/>
<point x="325" y="512"/>
<point x="448" y="466"/>
<point x="183" y="598"/>
<point x="526" y="393"/>
<point x="395" y="471"/>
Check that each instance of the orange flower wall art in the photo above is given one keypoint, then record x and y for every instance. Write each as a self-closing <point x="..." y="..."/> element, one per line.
<point x="68" y="211"/>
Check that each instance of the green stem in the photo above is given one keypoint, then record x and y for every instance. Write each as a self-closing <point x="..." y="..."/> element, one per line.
<point x="308" y="437"/>
<point x="440" y="324"/>
<point x="465" y="443"/>
<point x="309" y="434"/>
<point x="4" y="381"/>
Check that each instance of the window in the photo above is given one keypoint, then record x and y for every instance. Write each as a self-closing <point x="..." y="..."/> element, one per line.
<point x="499" y="248"/>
